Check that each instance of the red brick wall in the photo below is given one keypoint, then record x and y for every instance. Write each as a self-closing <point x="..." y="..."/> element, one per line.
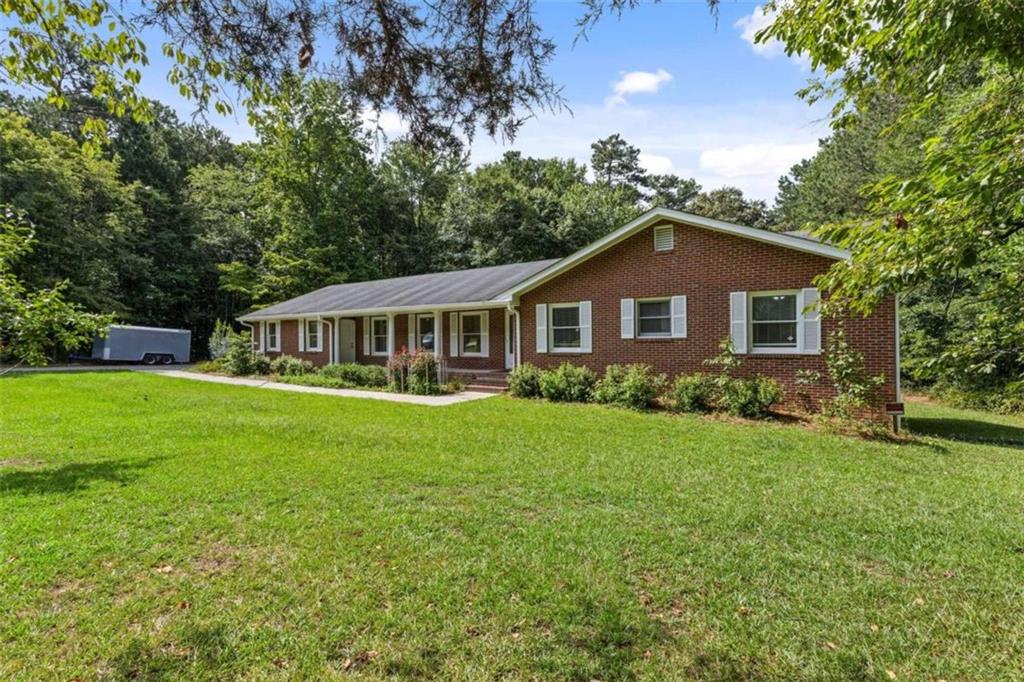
<point x="705" y="266"/>
<point x="289" y="342"/>
<point x="496" y="330"/>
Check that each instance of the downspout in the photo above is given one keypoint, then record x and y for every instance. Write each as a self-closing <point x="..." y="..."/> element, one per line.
<point x="899" y="389"/>
<point x="252" y="336"/>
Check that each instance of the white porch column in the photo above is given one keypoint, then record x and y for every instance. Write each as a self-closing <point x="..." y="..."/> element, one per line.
<point x="391" y="334"/>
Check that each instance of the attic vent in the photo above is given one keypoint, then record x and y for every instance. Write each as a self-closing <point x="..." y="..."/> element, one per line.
<point x="664" y="239"/>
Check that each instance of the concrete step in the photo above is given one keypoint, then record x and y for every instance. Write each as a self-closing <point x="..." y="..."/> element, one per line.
<point x="486" y="388"/>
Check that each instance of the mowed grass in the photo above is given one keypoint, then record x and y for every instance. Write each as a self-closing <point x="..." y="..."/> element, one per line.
<point x="155" y="527"/>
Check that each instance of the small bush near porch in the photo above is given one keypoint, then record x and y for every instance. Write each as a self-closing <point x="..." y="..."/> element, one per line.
<point x="161" y="528"/>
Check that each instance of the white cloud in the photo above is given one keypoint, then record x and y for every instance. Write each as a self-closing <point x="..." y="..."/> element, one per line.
<point x="754" y="159"/>
<point x="634" y="82"/>
<point x="387" y="122"/>
<point x="752" y="23"/>
<point x="749" y="144"/>
<point x="657" y="164"/>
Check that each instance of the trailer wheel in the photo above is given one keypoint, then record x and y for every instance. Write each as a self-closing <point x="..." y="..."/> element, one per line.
<point x="166" y="359"/>
<point x="149" y="359"/>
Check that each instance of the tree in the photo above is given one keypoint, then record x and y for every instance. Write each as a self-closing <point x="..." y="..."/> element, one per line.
<point x="957" y="71"/>
<point x="415" y="183"/>
<point x="671" y="191"/>
<point x="34" y="325"/>
<point x="86" y="222"/>
<point x="617" y="163"/>
<point x="318" y="194"/>
<point x="729" y="204"/>
<point x="513" y="210"/>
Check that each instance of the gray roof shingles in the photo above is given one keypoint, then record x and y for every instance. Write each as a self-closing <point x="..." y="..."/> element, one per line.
<point x="440" y="289"/>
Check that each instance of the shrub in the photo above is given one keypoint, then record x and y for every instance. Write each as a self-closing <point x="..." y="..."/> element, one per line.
<point x="314" y="379"/>
<point x="260" y="364"/>
<point x="239" y="360"/>
<point x="750" y="398"/>
<point x="286" y="365"/>
<point x="455" y="385"/>
<point x="694" y="393"/>
<point x="370" y="376"/>
<point x="209" y="366"/>
<point x="631" y="386"/>
<point x="853" y="385"/>
<point x="219" y="338"/>
<point x="524" y="381"/>
<point x="568" y="383"/>
<point x="423" y="370"/>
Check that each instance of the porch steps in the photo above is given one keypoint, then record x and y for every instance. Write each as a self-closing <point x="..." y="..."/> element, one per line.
<point x="482" y="381"/>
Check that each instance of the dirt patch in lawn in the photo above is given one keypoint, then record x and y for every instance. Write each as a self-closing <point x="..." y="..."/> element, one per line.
<point x="18" y="463"/>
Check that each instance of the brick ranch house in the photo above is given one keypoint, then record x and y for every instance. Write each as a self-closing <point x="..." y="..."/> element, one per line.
<point x="664" y="290"/>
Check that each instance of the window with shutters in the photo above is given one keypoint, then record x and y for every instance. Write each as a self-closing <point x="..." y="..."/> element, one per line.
<point x="774" y="320"/>
<point x="664" y="238"/>
<point x="654" y="317"/>
<point x="471" y="331"/>
<point x="273" y="336"/>
<point x="565" y="326"/>
<point x="313" y="335"/>
<point x="426" y="331"/>
<point x="379" y="326"/>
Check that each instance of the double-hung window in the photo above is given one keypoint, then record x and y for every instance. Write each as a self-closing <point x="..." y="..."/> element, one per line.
<point x="565" y="327"/>
<point x="426" y="332"/>
<point x="774" y="320"/>
<point x="379" y="327"/>
<point x="273" y="336"/>
<point x="313" y="339"/>
<point x="471" y="333"/>
<point x="654" y="318"/>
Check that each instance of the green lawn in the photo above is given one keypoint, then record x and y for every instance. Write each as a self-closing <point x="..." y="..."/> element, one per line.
<point x="158" y="527"/>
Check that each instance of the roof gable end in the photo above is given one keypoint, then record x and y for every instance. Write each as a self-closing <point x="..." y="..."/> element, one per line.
<point x="656" y="215"/>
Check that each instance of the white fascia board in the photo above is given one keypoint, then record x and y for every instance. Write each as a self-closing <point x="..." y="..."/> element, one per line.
<point x="658" y="214"/>
<point x="499" y="302"/>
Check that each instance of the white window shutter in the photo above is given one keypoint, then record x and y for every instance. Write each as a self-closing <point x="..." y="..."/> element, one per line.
<point x="586" y="336"/>
<point x="413" y="340"/>
<point x="302" y="336"/>
<point x="738" y="321"/>
<point x="542" y="328"/>
<point x="678" y="311"/>
<point x="367" y="348"/>
<point x="811" y="317"/>
<point x="453" y="335"/>
<point x="259" y="335"/>
<point x="626" y="308"/>
<point x="485" y="343"/>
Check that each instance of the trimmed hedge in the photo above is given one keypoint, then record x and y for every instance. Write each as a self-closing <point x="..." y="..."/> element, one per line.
<point x="568" y="383"/>
<point x="631" y="386"/>
<point x="371" y="376"/>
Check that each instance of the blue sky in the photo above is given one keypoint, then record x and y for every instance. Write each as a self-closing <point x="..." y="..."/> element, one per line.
<point x="698" y="100"/>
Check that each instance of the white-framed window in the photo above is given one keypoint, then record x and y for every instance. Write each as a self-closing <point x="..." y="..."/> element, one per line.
<point x="565" y="329"/>
<point x="471" y="334"/>
<point x="314" y="340"/>
<point x="425" y="332"/>
<point x="664" y="238"/>
<point x="654" y="317"/>
<point x="379" y="328"/>
<point x="273" y="336"/>
<point x="775" y="321"/>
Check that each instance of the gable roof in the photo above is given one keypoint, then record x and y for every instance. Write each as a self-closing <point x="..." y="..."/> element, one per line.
<point x="500" y="284"/>
<point x="806" y="244"/>
<point x="461" y="288"/>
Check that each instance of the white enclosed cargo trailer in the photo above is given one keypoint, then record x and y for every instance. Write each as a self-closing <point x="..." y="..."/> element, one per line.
<point x="148" y="345"/>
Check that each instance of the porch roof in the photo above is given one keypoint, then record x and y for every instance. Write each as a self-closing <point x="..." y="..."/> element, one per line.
<point x="479" y="286"/>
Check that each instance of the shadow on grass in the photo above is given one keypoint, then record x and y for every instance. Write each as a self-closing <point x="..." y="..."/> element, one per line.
<point x="968" y="431"/>
<point x="143" y="659"/>
<point x="72" y="477"/>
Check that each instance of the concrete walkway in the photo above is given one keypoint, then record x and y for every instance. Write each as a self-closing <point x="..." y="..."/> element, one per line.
<point x="428" y="400"/>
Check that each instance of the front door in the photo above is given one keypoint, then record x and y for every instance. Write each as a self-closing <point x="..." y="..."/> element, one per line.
<point x="346" y="340"/>
<point x="510" y="340"/>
